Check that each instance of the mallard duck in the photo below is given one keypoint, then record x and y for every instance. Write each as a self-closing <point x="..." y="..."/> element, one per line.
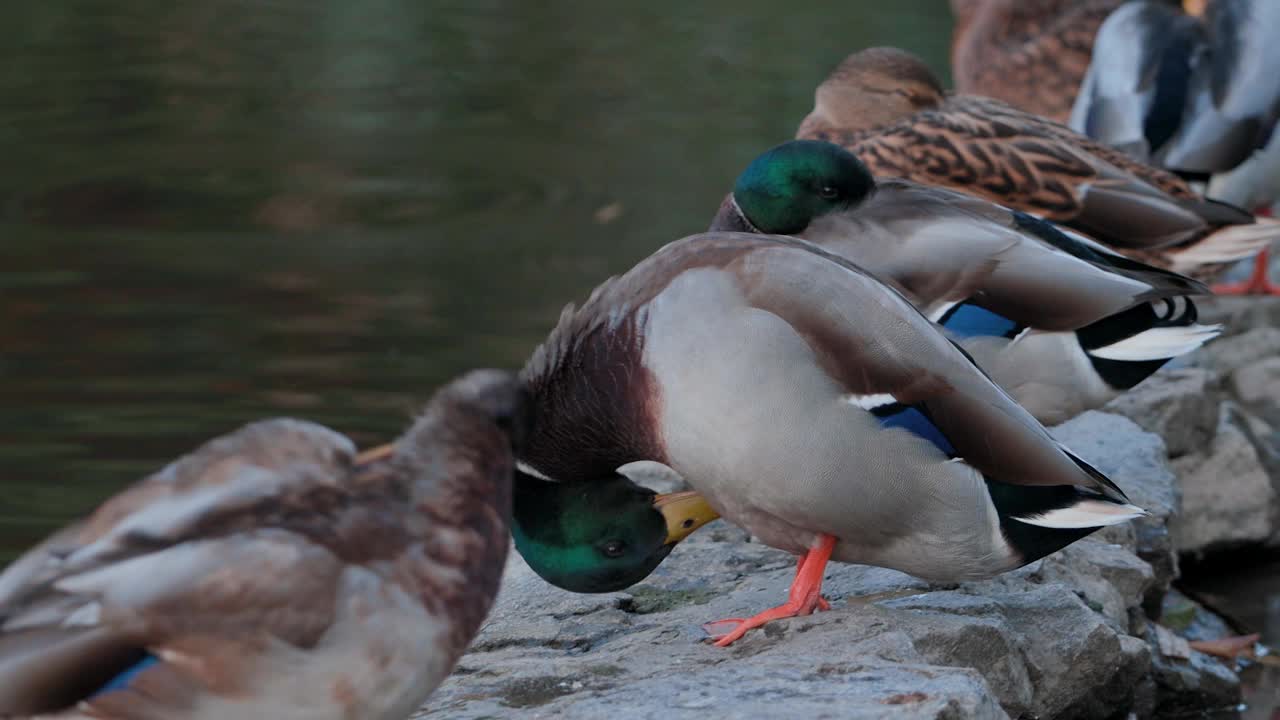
<point x="602" y="534"/>
<point x="1031" y="54"/>
<point x="1061" y="323"/>
<point x="273" y="573"/>
<point x="814" y="406"/>
<point x="1198" y="95"/>
<point x="886" y="106"/>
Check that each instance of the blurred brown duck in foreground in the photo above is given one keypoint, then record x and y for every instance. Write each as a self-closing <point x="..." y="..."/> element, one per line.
<point x="1199" y="95"/>
<point x="1032" y="54"/>
<point x="888" y="108"/>
<point x="273" y="573"/>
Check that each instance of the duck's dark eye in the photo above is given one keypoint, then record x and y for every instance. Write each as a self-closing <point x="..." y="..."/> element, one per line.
<point x="828" y="192"/>
<point x="613" y="548"/>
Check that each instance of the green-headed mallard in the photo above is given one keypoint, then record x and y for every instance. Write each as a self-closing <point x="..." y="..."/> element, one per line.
<point x="1061" y="323"/>
<point x="273" y="573"/>
<point x="602" y="534"/>
<point x="1031" y="54"/>
<point x="811" y="404"/>
<point x="1197" y="95"/>
<point x="886" y="107"/>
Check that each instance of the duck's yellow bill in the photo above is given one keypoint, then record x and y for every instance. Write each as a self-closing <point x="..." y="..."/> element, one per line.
<point x="374" y="454"/>
<point x="684" y="512"/>
<point x="1193" y="7"/>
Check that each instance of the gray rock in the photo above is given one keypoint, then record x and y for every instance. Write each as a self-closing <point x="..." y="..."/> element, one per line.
<point x="1239" y="314"/>
<point x="1258" y="381"/>
<point x="1049" y="640"/>
<point x="1135" y="460"/>
<point x="1042" y="650"/>
<point x="549" y="653"/>
<point x="1228" y="354"/>
<point x="1178" y="405"/>
<point x="1227" y="498"/>
<point x="1063" y="637"/>
<point x="1187" y="686"/>
<point x="1191" y="620"/>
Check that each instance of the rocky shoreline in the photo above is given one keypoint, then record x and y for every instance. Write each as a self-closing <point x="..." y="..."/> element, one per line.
<point x="1075" y="635"/>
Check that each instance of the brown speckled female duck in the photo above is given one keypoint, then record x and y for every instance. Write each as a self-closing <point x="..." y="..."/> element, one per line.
<point x="1031" y="54"/>
<point x="888" y="108"/>
<point x="273" y="573"/>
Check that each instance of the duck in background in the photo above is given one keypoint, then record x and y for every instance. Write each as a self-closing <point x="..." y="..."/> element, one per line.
<point x="273" y="573"/>
<point x="812" y="405"/>
<point x="887" y="107"/>
<point x="1198" y="94"/>
<point x="1058" y="321"/>
<point x="1031" y="54"/>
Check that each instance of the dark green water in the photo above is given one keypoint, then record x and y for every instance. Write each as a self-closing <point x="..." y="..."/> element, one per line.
<point x="212" y="212"/>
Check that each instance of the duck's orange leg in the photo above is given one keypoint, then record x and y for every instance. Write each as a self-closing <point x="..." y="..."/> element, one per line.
<point x="804" y="598"/>
<point x="1257" y="284"/>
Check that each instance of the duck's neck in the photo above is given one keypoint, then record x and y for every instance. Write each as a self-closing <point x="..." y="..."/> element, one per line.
<point x="596" y="406"/>
<point x="474" y="504"/>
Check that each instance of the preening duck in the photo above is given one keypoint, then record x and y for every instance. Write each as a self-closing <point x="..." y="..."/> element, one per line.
<point x="273" y="573"/>
<point x="811" y="404"/>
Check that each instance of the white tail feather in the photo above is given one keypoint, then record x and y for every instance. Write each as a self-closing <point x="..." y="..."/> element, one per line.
<point x="1231" y="243"/>
<point x="1158" y="343"/>
<point x="1086" y="514"/>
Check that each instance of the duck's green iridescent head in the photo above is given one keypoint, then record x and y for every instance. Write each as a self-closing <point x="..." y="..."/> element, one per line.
<point x="787" y="187"/>
<point x="602" y="535"/>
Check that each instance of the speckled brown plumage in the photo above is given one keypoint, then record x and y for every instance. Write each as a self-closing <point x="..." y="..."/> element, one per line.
<point x="1032" y="54"/>
<point x="272" y="541"/>
<point x="903" y="125"/>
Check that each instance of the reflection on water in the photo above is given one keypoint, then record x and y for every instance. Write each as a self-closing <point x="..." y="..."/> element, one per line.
<point x="213" y="212"/>
<point x="1245" y="589"/>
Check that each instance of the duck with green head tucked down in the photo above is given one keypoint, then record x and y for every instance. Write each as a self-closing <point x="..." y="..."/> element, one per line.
<point x="603" y="535"/>
<point x="1059" y="321"/>
<point x="808" y="403"/>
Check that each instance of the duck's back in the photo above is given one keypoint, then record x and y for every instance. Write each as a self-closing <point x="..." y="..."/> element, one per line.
<point x="781" y="380"/>
<point x="1032" y="54"/>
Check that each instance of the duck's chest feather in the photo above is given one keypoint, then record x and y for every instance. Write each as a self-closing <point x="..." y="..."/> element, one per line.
<point x="752" y="420"/>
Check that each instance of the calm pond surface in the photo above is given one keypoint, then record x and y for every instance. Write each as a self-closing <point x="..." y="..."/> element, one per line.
<point x="218" y="211"/>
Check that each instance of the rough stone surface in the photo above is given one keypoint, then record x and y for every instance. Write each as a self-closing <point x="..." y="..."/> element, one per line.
<point x="1185" y="687"/>
<point x="1228" y="354"/>
<point x="549" y="653"/>
<point x="1070" y="636"/>
<point x="1063" y="637"/>
<point x="1258" y="382"/>
<point x="1135" y="459"/>
<point x="1240" y="314"/>
<point x="1178" y="405"/>
<point x="1227" y="497"/>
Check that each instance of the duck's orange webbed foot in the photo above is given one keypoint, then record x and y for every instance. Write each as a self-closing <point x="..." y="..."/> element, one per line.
<point x="1257" y="284"/>
<point x="805" y="597"/>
